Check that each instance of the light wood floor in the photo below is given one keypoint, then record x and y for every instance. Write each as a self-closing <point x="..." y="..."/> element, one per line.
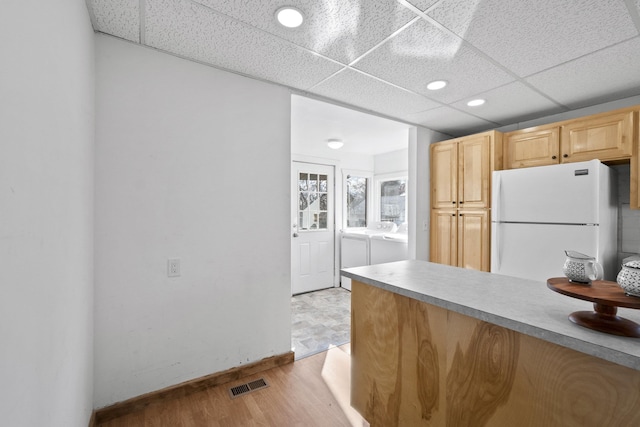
<point x="313" y="391"/>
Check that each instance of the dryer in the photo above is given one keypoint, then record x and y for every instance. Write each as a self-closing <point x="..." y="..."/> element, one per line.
<point x="389" y="247"/>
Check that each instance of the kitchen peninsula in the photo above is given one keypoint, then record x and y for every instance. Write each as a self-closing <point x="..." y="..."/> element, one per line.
<point x="437" y="345"/>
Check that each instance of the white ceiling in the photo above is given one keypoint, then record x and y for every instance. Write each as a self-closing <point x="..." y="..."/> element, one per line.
<point x="313" y="122"/>
<point x="527" y="58"/>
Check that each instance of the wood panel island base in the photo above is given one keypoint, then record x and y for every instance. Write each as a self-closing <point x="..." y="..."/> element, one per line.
<point x="442" y="362"/>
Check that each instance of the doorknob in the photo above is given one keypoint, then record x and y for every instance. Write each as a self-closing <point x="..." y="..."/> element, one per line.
<point x="295" y="234"/>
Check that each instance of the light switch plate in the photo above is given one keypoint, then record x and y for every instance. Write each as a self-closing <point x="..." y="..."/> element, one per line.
<point x="173" y="267"/>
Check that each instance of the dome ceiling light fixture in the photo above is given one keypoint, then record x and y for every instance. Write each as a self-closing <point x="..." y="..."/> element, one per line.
<point x="289" y="17"/>
<point x="335" y="143"/>
<point x="436" y="84"/>
<point x="476" y="102"/>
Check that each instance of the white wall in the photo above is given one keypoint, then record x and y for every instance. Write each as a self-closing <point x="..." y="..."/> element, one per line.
<point x="419" y="195"/>
<point x="192" y="163"/>
<point x="46" y="213"/>
<point x="392" y="162"/>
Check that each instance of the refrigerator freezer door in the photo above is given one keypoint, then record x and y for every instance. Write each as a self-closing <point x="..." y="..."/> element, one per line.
<point x="566" y="193"/>
<point x="536" y="251"/>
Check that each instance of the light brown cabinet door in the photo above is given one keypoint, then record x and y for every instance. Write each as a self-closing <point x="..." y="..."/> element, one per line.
<point x="532" y="147"/>
<point x="474" y="240"/>
<point x="474" y="172"/>
<point x="444" y="230"/>
<point x="461" y="173"/>
<point x="444" y="175"/>
<point x="461" y="238"/>
<point x="603" y="137"/>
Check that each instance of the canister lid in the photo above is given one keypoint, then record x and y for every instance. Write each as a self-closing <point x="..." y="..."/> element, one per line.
<point x="632" y="264"/>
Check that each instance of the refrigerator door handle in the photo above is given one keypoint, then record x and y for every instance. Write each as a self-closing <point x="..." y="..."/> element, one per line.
<point x="499" y="252"/>
<point x="497" y="197"/>
<point x="497" y="200"/>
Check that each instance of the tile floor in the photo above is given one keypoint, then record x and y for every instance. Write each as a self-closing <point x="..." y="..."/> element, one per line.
<point x="320" y="319"/>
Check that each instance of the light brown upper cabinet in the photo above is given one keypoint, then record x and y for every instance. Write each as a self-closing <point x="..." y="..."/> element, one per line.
<point x="444" y="175"/>
<point x="461" y="170"/>
<point x="538" y="146"/>
<point x="606" y="136"/>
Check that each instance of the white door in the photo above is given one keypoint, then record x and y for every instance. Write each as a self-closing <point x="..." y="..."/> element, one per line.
<point x="312" y="241"/>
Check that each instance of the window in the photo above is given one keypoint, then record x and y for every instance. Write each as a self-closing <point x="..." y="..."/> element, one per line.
<point x="392" y="200"/>
<point x="356" y="195"/>
<point x="312" y="201"/>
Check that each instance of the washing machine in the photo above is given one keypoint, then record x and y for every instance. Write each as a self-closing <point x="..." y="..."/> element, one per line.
<point x="355" y="244"/>
<point x="390" y="246"/>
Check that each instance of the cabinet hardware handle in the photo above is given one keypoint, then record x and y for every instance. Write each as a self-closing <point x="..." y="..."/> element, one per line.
<point x="453" y="214"/>
<point x="554" y="157"/>
<point x="461" y="202"/>
<point x="461" y="214"/>
<point x="565" y="155"/>
<point x="453" y="202"/>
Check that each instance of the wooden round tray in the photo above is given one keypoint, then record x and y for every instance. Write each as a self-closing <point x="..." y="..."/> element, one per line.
<point x="606" y="298"/>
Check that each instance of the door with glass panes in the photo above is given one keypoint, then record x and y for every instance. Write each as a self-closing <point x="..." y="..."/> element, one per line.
<point x="312" y="241"/>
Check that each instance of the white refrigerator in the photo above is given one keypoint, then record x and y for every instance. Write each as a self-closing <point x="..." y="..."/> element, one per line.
<point x="537" y="213"/>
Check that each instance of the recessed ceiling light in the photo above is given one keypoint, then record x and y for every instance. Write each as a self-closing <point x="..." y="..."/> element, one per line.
<point x="335" y="143"/>
<point x="289" y="16"/>
<point x="475" y="102"/>
<point x="437" y="84"/>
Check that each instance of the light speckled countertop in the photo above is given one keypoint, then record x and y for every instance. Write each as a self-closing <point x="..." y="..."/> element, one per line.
<point x="525" y="306"/>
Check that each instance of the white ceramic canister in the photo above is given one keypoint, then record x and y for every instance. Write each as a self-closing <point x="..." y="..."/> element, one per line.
<point x="629" y="278"/>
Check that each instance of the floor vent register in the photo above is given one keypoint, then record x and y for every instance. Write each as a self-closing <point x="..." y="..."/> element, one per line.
<point x="242" y="389"/>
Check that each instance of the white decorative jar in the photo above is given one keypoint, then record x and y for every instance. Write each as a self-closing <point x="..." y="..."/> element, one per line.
<point x="629" y="278"/>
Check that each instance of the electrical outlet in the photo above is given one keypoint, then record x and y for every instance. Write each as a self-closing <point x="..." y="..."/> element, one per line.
<point x="173" y="267"/>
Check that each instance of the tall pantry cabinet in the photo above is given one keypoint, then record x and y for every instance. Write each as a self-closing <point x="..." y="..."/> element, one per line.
<point x="461" y="171"/>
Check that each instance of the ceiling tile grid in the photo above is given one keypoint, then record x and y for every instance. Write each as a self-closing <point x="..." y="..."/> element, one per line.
<point x="526" y="58"/>
<point x="339" y="29"/>
<point x="120" y="18"/>
<point x="450" y="121"/>
<point x="614" y="73"/>
<point x="423" y="53"/>
<point x="530" y="36"/>
<point x="511" y="103"/>
<point x="352" y="87"/>
<point x="194" y="31"/>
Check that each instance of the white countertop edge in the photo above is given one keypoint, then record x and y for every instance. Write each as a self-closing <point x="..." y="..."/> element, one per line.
<point x="573" y="341"/>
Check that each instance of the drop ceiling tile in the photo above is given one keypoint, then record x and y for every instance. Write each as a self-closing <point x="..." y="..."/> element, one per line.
<point x="450" y="121"/>
<point x="606" y="75"/>
<point x="194" y="31"/>
<point x="529" y="36"/>
<point x="511" y="103"/>
<point x="120" y="18"/>
<point x="352" y="87"/>
<point x="423" y="53"/>
<point x="341" y="30"/>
